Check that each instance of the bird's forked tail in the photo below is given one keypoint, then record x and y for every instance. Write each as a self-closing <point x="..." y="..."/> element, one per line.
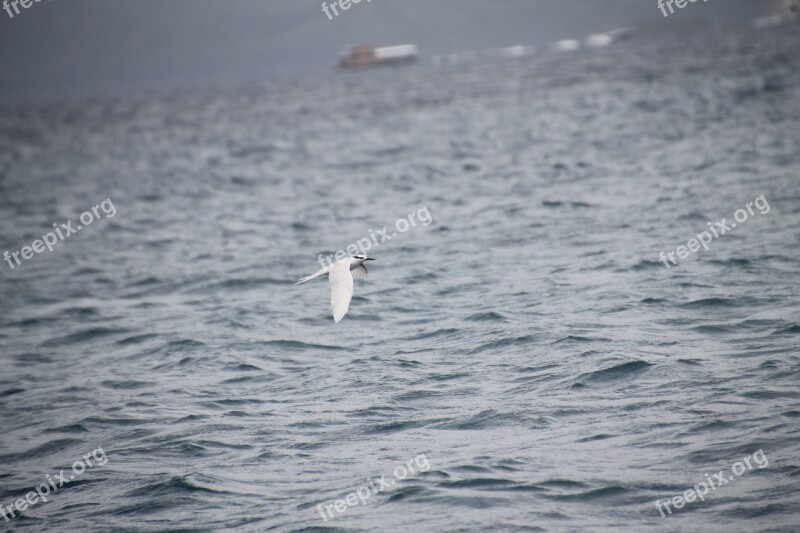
<point x="312" y="276"/>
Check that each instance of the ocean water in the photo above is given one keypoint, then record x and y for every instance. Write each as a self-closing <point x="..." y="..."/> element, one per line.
<point x="527" y="349"/>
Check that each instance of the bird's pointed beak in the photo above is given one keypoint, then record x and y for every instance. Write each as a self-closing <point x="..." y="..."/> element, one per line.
<point x="369" y="259"/>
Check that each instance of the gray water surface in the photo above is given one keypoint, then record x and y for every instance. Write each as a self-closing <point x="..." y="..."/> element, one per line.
<point x="529" y="341"/>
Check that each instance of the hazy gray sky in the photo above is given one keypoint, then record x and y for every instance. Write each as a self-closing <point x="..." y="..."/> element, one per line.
<point x="68" y="48"/>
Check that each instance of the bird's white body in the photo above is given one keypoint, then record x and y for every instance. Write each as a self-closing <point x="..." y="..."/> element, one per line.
<point x="341" y="279"/>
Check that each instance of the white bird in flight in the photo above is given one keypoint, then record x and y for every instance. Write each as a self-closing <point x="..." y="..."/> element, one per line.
<point x="341" y="282"/>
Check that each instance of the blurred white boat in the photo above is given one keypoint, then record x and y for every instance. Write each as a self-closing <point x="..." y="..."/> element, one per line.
<point x="782" y="11"/>
<point x="603" y="39"/>
<point x="366" y="55"/>
<point x="566" y="45"/>
<point x="515" y="51"/>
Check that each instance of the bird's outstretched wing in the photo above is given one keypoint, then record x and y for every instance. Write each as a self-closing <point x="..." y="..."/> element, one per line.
<point x="341" y="290"/>
<point x="360" y="271"/>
